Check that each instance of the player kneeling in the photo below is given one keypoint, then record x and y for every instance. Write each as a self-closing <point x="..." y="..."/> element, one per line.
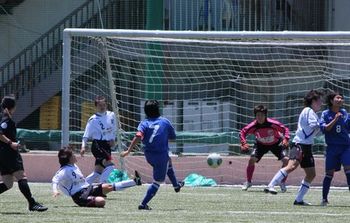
<point x="70" y="180"/>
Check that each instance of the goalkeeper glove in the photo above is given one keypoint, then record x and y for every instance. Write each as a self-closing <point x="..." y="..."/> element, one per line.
<point x="244" y="148"/>
<point x="285" y="143"/>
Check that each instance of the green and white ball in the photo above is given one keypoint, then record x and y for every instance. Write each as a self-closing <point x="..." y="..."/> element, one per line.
<point x="214" y="160"/>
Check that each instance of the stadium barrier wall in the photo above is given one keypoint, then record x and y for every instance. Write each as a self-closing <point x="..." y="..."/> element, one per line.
<point x="41" y="166"/>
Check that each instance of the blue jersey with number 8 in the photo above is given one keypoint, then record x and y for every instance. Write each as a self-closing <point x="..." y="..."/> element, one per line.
<point x="156" y="133"/>
<point x="339" y="134"/>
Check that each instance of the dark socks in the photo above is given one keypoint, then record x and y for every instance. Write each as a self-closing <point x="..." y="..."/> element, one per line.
<point x="24" y="188"/>
<point x="326" y="185"/>
<point x="152" y="190"/>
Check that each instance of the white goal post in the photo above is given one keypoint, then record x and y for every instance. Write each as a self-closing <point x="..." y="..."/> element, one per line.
<point x="207" y="82"/>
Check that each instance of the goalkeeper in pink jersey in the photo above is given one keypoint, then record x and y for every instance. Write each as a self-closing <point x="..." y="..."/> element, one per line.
<point x="271" y="135"/>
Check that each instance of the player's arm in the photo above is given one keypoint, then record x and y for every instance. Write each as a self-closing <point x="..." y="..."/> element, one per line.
<point x="13" y="145"/>
<point x="314" y="124"/>
<point x="86" y="136"/>
<point x="138" y="137"/>
<point x="313" y="121"/>
<point x="283" y="130"/>
<point x="328" y="127"/>
<point x="243" y="136"/>
<point x="55" y="181"/>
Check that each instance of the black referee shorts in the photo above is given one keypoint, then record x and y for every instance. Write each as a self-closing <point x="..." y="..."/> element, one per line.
<point x="10" y="161"/>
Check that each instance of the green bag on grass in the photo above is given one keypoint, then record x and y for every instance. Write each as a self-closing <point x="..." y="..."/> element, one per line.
<point x="117" y="176"/>
<point x="196" y="180"/>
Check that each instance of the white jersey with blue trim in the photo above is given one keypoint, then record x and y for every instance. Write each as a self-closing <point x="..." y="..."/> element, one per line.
<point x="69" y="179"/>
<point x="308" y="127"/>
<point x="101" y="127"/>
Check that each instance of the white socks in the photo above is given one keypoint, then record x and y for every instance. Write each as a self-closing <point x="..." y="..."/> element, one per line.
<point x="303" y="189"/>
<point x="123" y="184"/>
<point x="277" y="179"/>
<point x="92" y="177"/>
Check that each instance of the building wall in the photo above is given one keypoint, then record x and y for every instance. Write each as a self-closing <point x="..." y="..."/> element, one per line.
<point x="28" y="22"/>
<point x="341" y="10"/>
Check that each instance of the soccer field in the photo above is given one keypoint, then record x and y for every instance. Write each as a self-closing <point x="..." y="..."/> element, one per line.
<point x="219" y="204"/>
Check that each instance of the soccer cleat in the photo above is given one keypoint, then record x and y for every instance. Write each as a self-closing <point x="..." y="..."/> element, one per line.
<point x="301" y="203"/>
<point x="137" y="178"/>
<point x="37" y="207"/>
<point x="283" y="187"/>
<point x="246" y="185"/>
<point x="270" y="190"/>
<point x="144" y="207"/>
<point x="324" y="202"/>
<point x="178" y="188"/>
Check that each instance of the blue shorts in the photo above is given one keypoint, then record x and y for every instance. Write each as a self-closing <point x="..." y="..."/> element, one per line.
<point x="159" y="162"/>
<point x="337" y="155"/>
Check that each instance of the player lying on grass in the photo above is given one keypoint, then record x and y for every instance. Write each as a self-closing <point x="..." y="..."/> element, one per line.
<point x="71" y="182"/>
<point x="301" y="151"/>
<point x="270" y="135"/>
<point x="155" y="132"/>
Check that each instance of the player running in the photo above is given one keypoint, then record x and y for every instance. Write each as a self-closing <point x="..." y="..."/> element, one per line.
<point x="71" y="182"/>
<point x="101" y="129"/>
<point x="301" y="151"/>
<point x="155" y="132"/>
<point x="270" y="135"/>
<point x="335" y="124"/>
<point x="11" y="163"/>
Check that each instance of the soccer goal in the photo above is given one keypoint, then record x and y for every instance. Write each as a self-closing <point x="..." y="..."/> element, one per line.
<point x="206" y="82"/>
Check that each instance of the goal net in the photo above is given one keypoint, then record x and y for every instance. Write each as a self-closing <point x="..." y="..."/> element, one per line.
<point x="206" y="82"/>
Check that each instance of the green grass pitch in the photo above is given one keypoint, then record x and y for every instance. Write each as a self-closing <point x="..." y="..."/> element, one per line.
<point x="219" y="204"/>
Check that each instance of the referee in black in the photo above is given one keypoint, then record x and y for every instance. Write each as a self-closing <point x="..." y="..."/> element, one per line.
<point x="11" y="163"/>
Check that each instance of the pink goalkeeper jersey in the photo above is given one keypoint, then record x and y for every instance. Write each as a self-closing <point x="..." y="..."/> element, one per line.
<point x="268" y="133"/>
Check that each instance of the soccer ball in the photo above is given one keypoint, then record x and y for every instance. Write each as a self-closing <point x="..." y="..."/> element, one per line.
<point x="214" y="160"/>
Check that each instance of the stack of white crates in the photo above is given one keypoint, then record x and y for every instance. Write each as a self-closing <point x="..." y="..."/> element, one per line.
<point x="201" y="117"/>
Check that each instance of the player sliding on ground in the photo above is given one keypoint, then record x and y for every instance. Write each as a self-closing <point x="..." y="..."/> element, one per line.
<point x="270" y="135"/>
<point x="301" y="151"/>
<point x="71" y="182"/>
<point x="155" y="132"/>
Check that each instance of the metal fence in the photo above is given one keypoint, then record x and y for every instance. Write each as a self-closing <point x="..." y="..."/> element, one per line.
<point x="245" y="15"/>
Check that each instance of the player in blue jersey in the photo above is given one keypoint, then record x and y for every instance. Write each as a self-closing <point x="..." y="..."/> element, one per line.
<point x="155" y="132"/>
<point x="335" y="124"/>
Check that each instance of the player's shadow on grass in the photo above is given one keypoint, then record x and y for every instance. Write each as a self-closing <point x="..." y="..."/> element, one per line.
<point x="258" y="191"/>
<point x="335" y="206"/>
<point x="66" y="206"/>
<point x="13" y="213"/>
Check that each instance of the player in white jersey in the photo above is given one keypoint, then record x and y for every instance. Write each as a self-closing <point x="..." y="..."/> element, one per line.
<point x="301" y="152"/>
<point x="70" y="180"/>
<point x="101" y="130"/>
